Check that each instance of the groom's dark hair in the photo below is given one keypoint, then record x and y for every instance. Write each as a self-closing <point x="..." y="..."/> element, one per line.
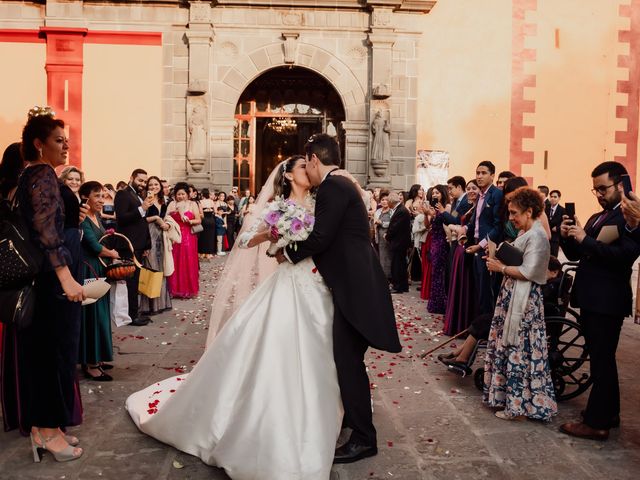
<point x="325" y="147"/>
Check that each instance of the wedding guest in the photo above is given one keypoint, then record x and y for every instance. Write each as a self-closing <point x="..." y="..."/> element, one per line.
<point x="96" y="346"/>
<point x="484" y="225"/>
<point x="221" y="201"/>
<point x="155" y="259"/>
<point x="184" y="282"/>
<point x="544" y="193"/>
<point x="461" y="300"/>
<point x="479" y="328"/>
<point x="382" y="217"/>
<point x="438" y="248"/>
<point x="221" y="230"/>
<point x="248" y="206"/>
<point x="456" y="187"/>
<point x="108" y="214"/>
<point x="166" y="191"/>
<point x="232" y="215"/>
<point x="414" y="199"/>
<point x="207" y="239"/>
<point x="517" y="375"/>
<point x="243" y="201"/>
<point x="72" y="177"/>
<point x="50" y="344"/>
<point x="121" y="185"/>
<point x="602" y="292"/>
<point x="555" y="212"/>
<point x="425" y="287"/>
<point x="399" y="238"/>
<point x="12" y="389"/>
<point x="131" y="212"/>
<point x="503" y="177"/>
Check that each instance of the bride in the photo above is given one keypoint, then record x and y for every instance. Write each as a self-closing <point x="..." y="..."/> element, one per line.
<point x="263" y="401"/>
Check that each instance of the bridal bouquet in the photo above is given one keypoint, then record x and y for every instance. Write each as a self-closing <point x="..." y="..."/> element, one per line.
<point x="289" y="223"/>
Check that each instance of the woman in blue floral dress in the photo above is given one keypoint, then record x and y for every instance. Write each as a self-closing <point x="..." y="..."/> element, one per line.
<point x="516" y="372"/>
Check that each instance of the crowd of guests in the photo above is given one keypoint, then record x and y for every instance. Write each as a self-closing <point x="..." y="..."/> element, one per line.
<point x="443" y="238"/>
<point x="79" y="226"/>
<point x="456" y="229"/>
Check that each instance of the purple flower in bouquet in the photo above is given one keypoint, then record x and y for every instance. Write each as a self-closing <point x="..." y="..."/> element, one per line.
<point x="296" y="226"/>
<point x="272" y="217"/>
<point x="309" y="219"/>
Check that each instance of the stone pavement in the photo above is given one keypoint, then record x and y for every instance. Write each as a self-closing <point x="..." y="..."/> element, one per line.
<point x="431" y="423"/>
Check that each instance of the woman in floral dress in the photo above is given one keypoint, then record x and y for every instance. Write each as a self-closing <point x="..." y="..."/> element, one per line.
<point x="516" y="372"/>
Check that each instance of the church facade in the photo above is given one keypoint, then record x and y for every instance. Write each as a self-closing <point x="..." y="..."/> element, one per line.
<point x="243" y="83"/>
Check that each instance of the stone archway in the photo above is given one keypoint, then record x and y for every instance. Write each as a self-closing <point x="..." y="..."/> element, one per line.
<point x="227" y="91"/>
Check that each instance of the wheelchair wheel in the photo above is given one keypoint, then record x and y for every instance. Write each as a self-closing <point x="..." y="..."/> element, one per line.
<point x="478" y="378"/>
<point x="568" y="357"/>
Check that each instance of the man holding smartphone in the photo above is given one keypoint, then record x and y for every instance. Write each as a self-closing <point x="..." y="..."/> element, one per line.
<point x="602" y="291"/>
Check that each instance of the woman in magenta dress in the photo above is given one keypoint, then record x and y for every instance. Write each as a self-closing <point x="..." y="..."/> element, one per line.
<point x="184" y="282"/>
<point x="461" y="307"/>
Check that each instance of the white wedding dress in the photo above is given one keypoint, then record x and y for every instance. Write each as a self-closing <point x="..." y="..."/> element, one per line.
<point x="263" y="402"/>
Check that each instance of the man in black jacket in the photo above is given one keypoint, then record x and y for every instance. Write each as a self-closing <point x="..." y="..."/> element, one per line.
<point x="131" y="211"/>
<point x="364" y="316"/>
<point x="399" y="238"/>
<point x="555" y="212"/>
<point x="602" y="291"/>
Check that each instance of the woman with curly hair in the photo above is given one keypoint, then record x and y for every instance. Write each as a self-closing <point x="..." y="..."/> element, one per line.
<point x="517" y="375"/>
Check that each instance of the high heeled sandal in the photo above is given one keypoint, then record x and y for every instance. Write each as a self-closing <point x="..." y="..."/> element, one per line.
<point x="71" y="440"/>
<point x="66" y="455"/>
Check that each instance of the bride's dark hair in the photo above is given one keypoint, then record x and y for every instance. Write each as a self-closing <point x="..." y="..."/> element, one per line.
<point x="281" y="184"/>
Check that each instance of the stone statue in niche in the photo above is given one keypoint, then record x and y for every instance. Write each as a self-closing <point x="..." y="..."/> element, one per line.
<point x="380" y="145"/>
<point x="197" y="144"/>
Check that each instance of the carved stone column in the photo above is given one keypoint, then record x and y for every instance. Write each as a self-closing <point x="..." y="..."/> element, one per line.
<point x="381" y="40"/>
<point x="200" y="37"/>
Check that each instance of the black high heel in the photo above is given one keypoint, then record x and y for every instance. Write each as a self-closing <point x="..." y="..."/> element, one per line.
<point x="103" y="377"/>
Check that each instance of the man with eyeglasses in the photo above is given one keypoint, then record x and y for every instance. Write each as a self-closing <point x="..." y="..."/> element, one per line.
<point x="602" y="291"/>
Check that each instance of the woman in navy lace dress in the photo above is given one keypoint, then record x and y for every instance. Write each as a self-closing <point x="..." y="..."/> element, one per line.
<point x="51" y="343"/>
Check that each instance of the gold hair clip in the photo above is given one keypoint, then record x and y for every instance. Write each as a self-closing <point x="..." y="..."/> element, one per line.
<point x="41" y="112"/>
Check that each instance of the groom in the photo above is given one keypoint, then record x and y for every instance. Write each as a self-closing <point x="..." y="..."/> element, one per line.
<point x="364" y="316"/>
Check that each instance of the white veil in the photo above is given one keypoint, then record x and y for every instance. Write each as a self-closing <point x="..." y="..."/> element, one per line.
<point x="245" y="268"/>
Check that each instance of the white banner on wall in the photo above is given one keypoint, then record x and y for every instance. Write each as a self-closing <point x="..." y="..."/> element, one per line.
<point x="432" y="168"/>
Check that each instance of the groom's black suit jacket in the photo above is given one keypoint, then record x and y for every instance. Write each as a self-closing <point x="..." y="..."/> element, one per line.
<point x="342" y="251"/>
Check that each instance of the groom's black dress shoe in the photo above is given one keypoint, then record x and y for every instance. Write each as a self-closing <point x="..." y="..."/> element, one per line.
<point x="352" y="452"/>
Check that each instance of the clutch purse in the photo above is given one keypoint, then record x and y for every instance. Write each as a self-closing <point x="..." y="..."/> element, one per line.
<point x="509" y="255"/>
<point x="197" y="229"/>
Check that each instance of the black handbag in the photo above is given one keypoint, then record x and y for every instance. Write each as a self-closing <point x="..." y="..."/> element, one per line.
<point x="509" y="255"/>
<point x="17" y="306"/>
<point x="20" y="260"/>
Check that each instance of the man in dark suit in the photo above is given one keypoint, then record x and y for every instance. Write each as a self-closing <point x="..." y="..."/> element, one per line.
<point x="555" y="212"/>
<point x="602" y="292"/>
<point x="399" y="238"/>
<point x="364" y="316"/>
<point x="131" y="211"/>
<point x="459" y="204"/>
<point x="485" y="224"/>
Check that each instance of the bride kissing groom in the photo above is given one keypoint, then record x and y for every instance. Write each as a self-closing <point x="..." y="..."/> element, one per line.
<point x="285" y="355"/>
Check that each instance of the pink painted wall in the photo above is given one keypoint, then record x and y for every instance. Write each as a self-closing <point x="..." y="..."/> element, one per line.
<point x="471" y="104"/>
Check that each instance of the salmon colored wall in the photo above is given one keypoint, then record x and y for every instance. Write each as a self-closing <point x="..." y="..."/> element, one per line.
<point x="121" y="111"/>
<point x="466" y="88"/>
<point x="23" y="84"/>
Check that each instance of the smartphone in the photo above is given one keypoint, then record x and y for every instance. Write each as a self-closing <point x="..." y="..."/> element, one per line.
<point x="570" y="211"/>
<point x="83" y="201"/>
<point x="434" y="202"/>
<point x="626" y="185"/>
<point x="149" y="194"/>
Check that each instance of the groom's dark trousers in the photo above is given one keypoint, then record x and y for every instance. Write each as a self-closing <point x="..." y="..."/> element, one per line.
<point x="349" y="348"/>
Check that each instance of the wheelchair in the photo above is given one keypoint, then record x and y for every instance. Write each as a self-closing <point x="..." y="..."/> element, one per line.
<point x="567" y="351"/>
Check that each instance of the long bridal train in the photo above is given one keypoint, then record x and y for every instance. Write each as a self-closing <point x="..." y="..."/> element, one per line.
<point x="263" y="401"/>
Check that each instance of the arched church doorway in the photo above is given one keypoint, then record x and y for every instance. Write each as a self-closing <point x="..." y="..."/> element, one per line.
<point x="276" y="115"/>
